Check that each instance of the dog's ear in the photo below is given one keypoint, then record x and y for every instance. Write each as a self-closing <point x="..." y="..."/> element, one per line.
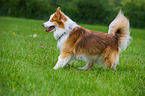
<point x="58" y="12"/>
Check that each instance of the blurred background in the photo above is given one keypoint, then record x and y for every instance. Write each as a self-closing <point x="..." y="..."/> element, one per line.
<point x="100" y="12"/>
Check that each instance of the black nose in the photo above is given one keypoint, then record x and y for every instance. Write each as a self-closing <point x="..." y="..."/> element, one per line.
<point x="43" y="25"/>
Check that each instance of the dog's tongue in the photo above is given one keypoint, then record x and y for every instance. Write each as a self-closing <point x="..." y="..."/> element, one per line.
<point x="49" y="29"/>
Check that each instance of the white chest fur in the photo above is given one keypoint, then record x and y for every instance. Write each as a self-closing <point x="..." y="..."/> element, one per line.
<point x="61" y="41"/>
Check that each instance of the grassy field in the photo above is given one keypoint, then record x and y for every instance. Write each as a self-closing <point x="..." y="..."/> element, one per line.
<point x="26" y="67"/>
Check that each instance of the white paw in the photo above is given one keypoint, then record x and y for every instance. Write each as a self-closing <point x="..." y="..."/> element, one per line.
<point x="55" y="67"/>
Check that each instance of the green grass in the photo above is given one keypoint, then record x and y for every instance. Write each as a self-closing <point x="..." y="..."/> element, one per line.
<point x="26" y="69"/>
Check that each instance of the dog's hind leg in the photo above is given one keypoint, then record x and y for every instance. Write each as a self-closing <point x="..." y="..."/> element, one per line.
<point x="110" y="59"/>
<point x="88" y="66"/>
<point x="62" y="61"/>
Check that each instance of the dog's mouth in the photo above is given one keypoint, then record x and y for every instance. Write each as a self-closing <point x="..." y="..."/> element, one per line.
<point x="50" y="29"/>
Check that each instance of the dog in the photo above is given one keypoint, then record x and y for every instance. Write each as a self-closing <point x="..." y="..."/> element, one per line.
<point x="94" y="47"/>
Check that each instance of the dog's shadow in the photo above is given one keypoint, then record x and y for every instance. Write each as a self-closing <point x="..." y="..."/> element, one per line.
<point x="99" y="69"/>
<point x="94" y="68"/>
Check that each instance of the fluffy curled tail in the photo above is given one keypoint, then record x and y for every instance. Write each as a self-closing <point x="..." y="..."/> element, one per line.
<point x="120" y="27"/>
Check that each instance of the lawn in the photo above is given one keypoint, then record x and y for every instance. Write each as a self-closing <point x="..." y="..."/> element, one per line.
<point x="26" y="67"/>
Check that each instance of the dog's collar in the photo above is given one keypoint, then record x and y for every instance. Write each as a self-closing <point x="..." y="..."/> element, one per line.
<point x="61" y="36"/>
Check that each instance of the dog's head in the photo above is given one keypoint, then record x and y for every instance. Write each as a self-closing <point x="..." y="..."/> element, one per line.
<point x="56" y="21"/>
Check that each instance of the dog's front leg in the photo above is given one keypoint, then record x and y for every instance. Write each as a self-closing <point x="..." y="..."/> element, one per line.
<point x="62" y="61"/>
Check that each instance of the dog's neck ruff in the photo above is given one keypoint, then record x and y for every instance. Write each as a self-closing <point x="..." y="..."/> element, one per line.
<point x="61" y="39"/>
<point x="61" y="36"/>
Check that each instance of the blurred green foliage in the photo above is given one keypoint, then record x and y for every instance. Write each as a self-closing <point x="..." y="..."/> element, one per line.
<point x="82" y="11"/>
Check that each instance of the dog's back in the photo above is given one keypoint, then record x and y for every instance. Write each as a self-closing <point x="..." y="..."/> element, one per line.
<point x="84" y="41"/>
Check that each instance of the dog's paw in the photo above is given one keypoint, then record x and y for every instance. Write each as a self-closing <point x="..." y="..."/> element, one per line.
<point x="55" y="67"/>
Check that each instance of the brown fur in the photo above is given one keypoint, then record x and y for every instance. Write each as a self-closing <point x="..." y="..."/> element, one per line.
<point x="91" y="43"/>
<point x="58" y="17"/>
<point x="109" y="57"/>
